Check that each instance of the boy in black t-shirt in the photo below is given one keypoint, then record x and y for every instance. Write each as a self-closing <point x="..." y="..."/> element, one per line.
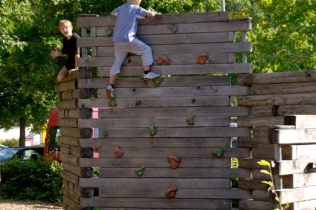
<point x="69" y="48"/>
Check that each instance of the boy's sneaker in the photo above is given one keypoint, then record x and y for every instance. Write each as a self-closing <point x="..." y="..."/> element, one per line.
<point x="110" y="92"/>
<point x="151" y="75"/>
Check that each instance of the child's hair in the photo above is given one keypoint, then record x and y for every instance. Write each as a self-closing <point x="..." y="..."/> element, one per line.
<point x="132" y="1"/>
<point x="65" y="23"/>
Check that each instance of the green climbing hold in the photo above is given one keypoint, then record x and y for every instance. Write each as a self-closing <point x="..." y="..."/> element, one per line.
<point x="158" y="81"/>
<point x="152" y="130"/>
<point x="218" y="153"/>
<point x="191" y="120"/>
<point x="112" y="103"/>
<point x="140" y="171"/>
<point x="173" y="28"/>
<point x="109" y="32"/>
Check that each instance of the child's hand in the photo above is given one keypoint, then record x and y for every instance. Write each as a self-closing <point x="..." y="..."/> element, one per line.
<point x="54" y="53"/>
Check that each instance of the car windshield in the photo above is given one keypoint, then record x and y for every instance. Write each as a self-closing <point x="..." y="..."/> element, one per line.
<point x="7" y="154"/>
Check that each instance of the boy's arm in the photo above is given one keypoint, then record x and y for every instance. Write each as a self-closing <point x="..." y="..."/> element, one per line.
<point x="151" y="13"/>
<point x="113" y="13"/>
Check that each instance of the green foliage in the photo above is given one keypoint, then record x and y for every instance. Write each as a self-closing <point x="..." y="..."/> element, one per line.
<point x="31" y="180"/>
<point x="10" y="142"/>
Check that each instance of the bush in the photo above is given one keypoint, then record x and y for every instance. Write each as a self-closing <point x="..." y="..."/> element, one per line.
<point x="10" y="142"/>
<point x="31" y="180"/>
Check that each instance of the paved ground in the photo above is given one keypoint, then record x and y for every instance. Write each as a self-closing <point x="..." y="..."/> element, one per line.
<point x="26" y="205"/>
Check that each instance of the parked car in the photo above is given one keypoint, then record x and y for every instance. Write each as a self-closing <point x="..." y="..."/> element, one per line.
<point x="23" y="153"/>
<point x="2" y="146"/>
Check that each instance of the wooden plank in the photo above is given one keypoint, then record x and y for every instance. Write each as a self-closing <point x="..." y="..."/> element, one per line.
<point x="292" y="136"/>
<point x="296" y="152"/>
<point x="174" y="59"/>
<point x="183" y="69"/>
<point x="178" y="173"/>
<point x="164" y="92"/>
<point x="154" y="162"/>
<point x="156" y="183"/>
<point x="282" y="110"/>
<point x="260" y="132"/>
<point x="250" y="184"/>
<point x="285" y="99"/>
<point x="300" y="121"/>
<point x="179" y="152"/>
<point x="190" y="132"/>
<point x="286" y="167"/>
<point x="303" y="205"/>
<point x="256" y="205"/>
<point x="283" y="88"/>
<point x="267" y="152"/>
<point x="102" y="41"/>
<point x="159" y="121"/>
<point x="299" y="180"/>
<point x="119" y="112"/>
<point x="162" y="203"/>
<point x="188" y="49"/>
<point x="153" y="142"/>
<point x="162" y="19"/>
<point x="250" y="163"/>
<point x="298" y="194"/>
<point x="250" y="142"/>
<point x="181" y="193"/>
<point x="284" y="77"/>
<point x="263" y="195"/>
<point x="256" y="174"/>
<point x="170" y="81"/>
<point x="264" y="111"/>
<point x="250" y="121"/>
<point x="158" y="102"/>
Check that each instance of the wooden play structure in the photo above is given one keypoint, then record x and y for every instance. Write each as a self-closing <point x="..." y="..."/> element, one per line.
<point x="167" y="144"/>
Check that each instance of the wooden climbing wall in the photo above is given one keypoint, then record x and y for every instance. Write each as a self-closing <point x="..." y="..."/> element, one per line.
<point x="142" y="177"/>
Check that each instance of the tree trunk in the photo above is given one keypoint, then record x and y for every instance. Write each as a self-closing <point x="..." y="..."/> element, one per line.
<point x="22" y="132"/>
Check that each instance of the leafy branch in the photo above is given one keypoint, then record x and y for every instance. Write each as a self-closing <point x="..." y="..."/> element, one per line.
<point x="271" y="184"/>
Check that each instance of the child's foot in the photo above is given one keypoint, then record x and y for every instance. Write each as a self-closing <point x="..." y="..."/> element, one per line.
<point x="110" y="92"/>
<point x="151" y="75"/>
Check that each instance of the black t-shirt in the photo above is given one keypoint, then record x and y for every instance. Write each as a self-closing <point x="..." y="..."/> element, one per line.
<point x="70" y="48"/>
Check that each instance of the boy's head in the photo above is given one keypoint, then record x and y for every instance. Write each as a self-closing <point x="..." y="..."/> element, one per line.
<point x="65" y="27"/>
<point x="136" y="2"/>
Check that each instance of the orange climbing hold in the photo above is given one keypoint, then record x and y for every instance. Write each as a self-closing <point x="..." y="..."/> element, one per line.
<point x="118" y="153"/>
<point x="202" y="58"/>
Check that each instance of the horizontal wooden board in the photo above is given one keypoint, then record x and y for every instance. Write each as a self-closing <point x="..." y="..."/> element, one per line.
<point x="153" y="162"/>
<point x="181" y="193"/>
<point x="298" y="194"/>
<point x="156" y="183"/>
<point x="282" y="110"/>
<point x="165" y="92"/>
<point x="267" y="152"/>
<point x="158" y="102"/>
<point x="260" y="132"/>
<point x="179" y="173"/>
<point x="154" y="142"/>
<point x="157" y="203"/>
<point x="256" y="205"/>
<point x="250" y="163"/>
<point x="250" y="142"/>
<point x="197" y="69"/>
<point x="159" y="121"/>
<point x="174" y="59"/>
<point x="292" y="135"/>
<point x="297" y="152"/>
<point x="122" y="112"/>
<point x="285" y="99"/>
<point x="250" y="184"/>
<point x="160" y="39"/>
<point x="286" y="167"/>
<point x="301" y="121"/>
<point x="251" y="121"/>
<point x="190" y="132"/>
<point x="88" y="21"/>
<point x="303" y="205"/>
<point x="299" y="180"/>
<point x="283" y="88"/>
<point x="179" y="152"/>
<point x="183" y="49"/>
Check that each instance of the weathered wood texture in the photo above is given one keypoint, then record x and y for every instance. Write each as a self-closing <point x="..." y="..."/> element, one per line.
<point x="188" y="89"/>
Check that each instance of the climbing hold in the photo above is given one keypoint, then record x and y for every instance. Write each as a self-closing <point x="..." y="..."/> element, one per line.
<point x="118" y="153"/>
<point x="174" y="161"/>
<point x="173" y="28"/>
<point x="162" y="60"/>
<point x="108" y="31"/>
<point x="140" y="171"/>
<point x="152" y="130"/>
<point x="218" y="153"/>
<point x="171" y="192"/>
<point x="191" y="120"/>
<point x="158" y="81"/>
<point x="202" y="58"/>
<point x="112" y="103"/>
